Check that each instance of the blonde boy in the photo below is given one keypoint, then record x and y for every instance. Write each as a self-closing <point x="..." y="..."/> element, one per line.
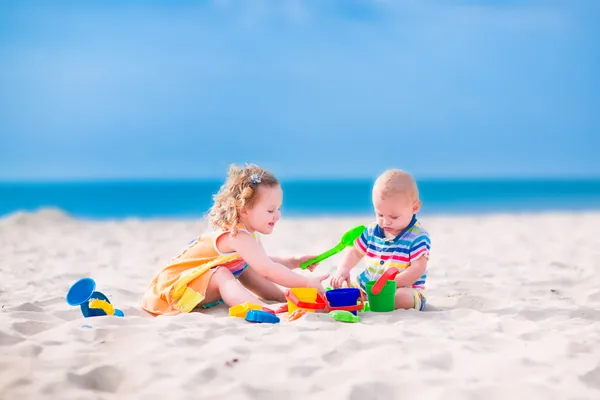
<point x="395" y="240"/>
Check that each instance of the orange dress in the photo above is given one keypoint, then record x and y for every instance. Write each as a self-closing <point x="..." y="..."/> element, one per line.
<point x="182" y="284"/>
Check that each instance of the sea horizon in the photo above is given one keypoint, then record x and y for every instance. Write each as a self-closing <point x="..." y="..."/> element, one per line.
<point x="303" y="197"/>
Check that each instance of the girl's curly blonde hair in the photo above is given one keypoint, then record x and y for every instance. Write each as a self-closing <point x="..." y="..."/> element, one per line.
<point x="239" y="191"/>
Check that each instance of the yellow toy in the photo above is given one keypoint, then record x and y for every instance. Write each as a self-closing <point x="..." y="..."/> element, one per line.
<point x="103" y="305"/>
<point x="308" y="299"/>
<point x="241" y="310"/>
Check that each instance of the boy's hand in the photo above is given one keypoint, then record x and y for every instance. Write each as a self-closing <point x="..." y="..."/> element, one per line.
<point x="339" y="278"/>
<point x="317" y="282"/>
<point x="296" y="261"/>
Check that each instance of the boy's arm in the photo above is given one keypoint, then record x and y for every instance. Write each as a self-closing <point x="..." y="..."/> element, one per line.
<point x="419" y="255"/>
<point x="411" y="274"/>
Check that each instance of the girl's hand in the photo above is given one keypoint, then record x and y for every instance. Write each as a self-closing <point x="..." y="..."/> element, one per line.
<point x="317" y="282"/>
<point x="296" y="261"/>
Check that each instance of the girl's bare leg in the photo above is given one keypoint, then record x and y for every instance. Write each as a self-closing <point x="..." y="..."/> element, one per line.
<point x="261" y="286"/>
<point x="223" y="285"/>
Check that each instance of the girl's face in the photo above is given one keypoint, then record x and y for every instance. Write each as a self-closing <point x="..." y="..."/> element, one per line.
<point x="265" y="212"/>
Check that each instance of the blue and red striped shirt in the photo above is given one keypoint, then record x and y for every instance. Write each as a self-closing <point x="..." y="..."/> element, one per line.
<point x="399" y="252"/>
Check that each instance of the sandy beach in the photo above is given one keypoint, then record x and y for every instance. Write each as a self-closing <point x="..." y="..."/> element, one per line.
<point x="513" y="309"/>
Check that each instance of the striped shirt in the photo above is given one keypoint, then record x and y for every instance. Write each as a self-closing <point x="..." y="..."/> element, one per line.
<point x="399" y="252"/>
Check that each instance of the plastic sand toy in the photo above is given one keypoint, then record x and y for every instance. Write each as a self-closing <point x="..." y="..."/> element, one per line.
<point x="347" y="299"/>
<point x="262" y="317"/>
<point x="92" y="303"/>
<point x="388" y="275"/>
<point x="347" y="240"/>
<point x="382" y="292"/>
<point x="344" y="316"/>
<point x="240" y="310"/>
<point x="297" y="315"/>
<point x="308" y="299"/>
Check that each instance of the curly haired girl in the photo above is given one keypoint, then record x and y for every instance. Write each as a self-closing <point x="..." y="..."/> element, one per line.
<point x="230" y="265"/>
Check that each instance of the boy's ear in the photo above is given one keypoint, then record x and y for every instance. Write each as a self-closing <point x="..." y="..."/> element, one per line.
<point x="417" y="206"/>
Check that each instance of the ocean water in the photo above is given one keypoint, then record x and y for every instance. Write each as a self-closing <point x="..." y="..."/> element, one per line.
<point x="192" y="199"/>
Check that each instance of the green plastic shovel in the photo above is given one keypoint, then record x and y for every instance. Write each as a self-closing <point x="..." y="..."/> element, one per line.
<point x="347" y="240"/>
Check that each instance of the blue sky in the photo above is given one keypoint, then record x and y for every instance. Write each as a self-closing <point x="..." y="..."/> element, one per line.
<point x="347" y="88"/>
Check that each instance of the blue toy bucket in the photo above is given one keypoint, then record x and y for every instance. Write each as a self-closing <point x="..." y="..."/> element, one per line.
<point x="344" y="298"/>
<point x="82" y="292"/>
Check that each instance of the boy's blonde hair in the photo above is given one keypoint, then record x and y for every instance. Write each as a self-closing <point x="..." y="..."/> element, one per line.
<point x="240" y="190"/>
<point x="396" y="181"/>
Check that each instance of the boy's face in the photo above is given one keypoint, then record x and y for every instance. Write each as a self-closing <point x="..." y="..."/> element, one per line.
<point x="395" y="211"/>
<point x="265" y="212"/>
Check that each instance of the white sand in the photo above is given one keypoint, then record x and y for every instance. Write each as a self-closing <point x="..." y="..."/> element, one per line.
<point x="515" y="305"/>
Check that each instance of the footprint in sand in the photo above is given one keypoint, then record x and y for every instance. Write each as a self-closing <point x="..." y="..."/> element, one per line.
<point x="104" y="379"/>
<point x="442" y="361"/>
<point x="191" y="341"/>
<point x="241" y="350"/>
<point x="334" y="357"/>
<point x="536" y="315"/>
<point x="33" y="316"/>
<point x="29" y="328"/>
<point x="264" y="394"/>
<point x="204" y="375"/>
<point x="68" y="315"/>
<point x="371" y="391"/>
<point x="303" y="371"/>
<point x="342" y="351"/>
<point x="19" y="382"/>
<point x="28" y="350"/>
<point x="27" y="307"/>
<point x="587" y="313"/>
<point x="579" y="347"/>
<point x="592" y="378"/>
<point x="8" y="340"/>
<point x="594" y="297"/>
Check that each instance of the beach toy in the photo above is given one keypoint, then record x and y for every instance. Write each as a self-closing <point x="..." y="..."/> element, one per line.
<point x="283" y="308"/>
<point x="240" y="310"/>
<point x="261" y="317"/>
<point x="388" y="275"/>
<point x="297" y="314"/>
<point x="308" y="299"/>
<point x="92" y="303"/>
<point x="346" y="299"/>
<point x="347" y="240"/>
<point x="102" y="305"/>
<point x="383" y="301"/>
<point x="366" y="307"/>
<point x="344" y="316"/>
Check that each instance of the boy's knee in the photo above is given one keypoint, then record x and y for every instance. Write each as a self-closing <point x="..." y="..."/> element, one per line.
<point x="404" y="299"/>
